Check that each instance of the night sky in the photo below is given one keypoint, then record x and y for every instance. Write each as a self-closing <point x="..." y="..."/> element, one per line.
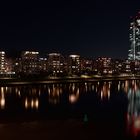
<point x="91" y="29"/>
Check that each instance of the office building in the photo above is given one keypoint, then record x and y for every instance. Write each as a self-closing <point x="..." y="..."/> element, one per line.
<point x="134" y="37"/>
<point x="74" y="65"/>
<point x="104" y="65"/>
<point x="30" y="62"/>
<point x="86" y="66"/>
<point x="55" y="64"/>
<point x="2" y="62"/>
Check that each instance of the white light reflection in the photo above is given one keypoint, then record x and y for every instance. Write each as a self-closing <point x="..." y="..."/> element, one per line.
<point x="39" y="92"/>
<point x="73" y="87"/>
<point x="2" y="102"/>
<point x="37" y="103"/>
<point x="19" y="93"/>
<point x="133" y="116"/>
<point x="31" y="103"/>
<point x="86" y="87"/>
<point x="6" y="88"/>
<point x="119" y="86"/>
<point x="105" y="91"/>
<point x="73" y="98"/>
<point x="126" y="86"/>
<point x="92" y="87"/>
<point x="2" y="98"/>
<point x="26" y="103"/>
<point x="54" y="94"/>
<point x="2" y="90"/>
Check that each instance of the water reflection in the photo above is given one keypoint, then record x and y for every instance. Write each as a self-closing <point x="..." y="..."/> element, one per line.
<point x="2" y="98"/>
<point x="74" y="96"/>
<point x="31" y="103"/>
<point x="54" y="92"/>
<point x="105" y="90"/>
<point x="134" y="108"/>
<point x="85" y="97"/>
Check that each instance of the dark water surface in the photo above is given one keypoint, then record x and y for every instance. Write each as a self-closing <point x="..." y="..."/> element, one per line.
<point x="86" y="110"/>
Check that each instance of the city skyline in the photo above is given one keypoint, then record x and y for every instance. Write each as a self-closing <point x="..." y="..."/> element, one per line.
<point x="99" y="28"/>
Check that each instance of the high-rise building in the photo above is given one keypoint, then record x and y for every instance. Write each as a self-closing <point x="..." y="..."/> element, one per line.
<point x="43" y="64"/>
<point x="30" y="62"/>
<point x="55" y="64"/>
<point x="2" y="62"/>
<point x="74" y="65"/>
<point x="6" y="66"/>
<point x="134" y="37"/>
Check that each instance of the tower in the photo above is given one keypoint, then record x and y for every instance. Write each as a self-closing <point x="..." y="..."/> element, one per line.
<point x="134" y="37"/>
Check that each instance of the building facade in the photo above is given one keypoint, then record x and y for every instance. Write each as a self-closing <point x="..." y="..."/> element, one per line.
<point x="30" y="62"/>
<point x="2" y="62"/>
<point x="74" y="65"/>
<point x="134" y="37"/>
<point x="86" y="66"/>
<point x="104" y="65"/>
<point x="55" y="64"/>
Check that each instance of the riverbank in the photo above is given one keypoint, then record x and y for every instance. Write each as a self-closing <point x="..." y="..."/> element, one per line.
<point x="37" y="80"/>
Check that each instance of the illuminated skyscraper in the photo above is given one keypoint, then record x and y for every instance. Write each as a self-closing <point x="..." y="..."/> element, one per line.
<point x="134" y="51"/>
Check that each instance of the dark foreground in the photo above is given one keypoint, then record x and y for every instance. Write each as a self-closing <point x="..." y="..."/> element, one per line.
<point x="61" y="130"/>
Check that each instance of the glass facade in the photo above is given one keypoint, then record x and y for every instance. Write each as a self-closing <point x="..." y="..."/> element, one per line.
<point x="134" y="51"/>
